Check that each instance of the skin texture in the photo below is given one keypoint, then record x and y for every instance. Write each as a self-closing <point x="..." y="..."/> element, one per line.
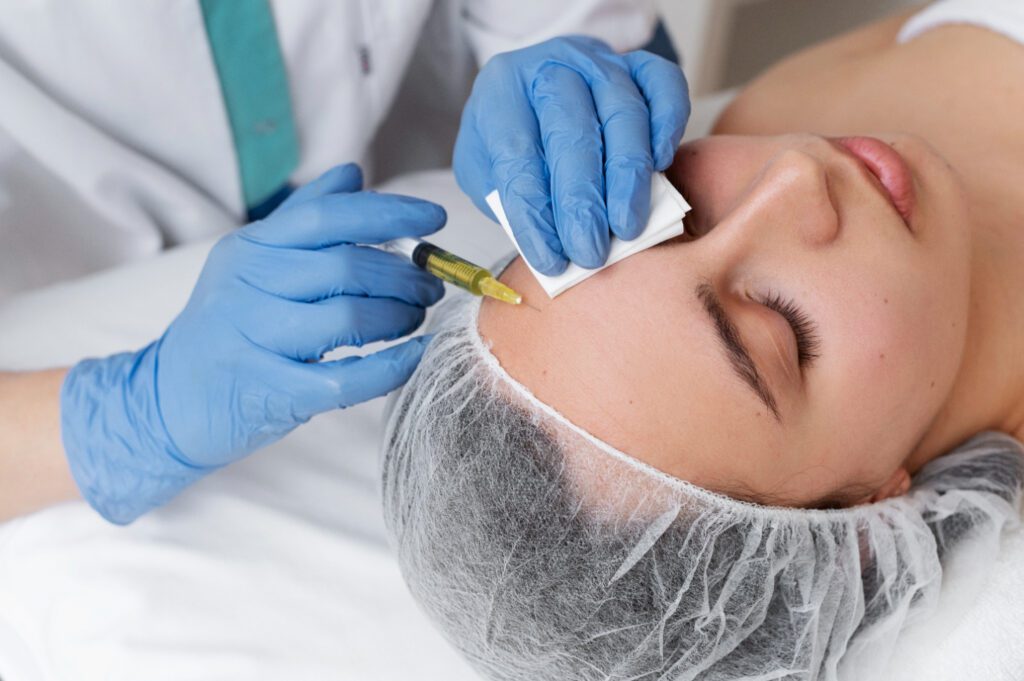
<point x="32" y="464"/>
<point x="918" y="328"/>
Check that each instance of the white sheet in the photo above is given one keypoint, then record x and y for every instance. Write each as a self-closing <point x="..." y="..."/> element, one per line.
<point x="985" y="643"/>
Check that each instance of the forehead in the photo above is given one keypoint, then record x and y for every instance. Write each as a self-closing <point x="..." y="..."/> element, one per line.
<point x="630" y="357"/>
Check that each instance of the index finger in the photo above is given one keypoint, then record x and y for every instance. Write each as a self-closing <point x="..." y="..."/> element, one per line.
<point x="360" y="217"/>
<point x="664" y="87"/>
<point x="519" y="171"/>
<point x="571" y="135"/>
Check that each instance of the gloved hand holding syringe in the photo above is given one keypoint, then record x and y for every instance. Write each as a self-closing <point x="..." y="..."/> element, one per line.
<point x="240" y="367"/>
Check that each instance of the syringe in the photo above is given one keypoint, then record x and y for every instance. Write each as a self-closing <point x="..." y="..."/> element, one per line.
<point x="453" y="269"/>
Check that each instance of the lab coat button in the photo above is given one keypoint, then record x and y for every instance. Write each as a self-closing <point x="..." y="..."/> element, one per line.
<point x="364" y="59"/>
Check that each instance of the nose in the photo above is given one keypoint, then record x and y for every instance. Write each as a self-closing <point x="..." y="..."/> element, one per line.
<point x="790" y="203"/>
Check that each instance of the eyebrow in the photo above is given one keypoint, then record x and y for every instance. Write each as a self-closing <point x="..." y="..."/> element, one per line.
<point x="735" y="350"/>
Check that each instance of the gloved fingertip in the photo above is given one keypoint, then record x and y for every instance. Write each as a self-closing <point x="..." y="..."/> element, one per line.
<point x="590" y="247"/>
<point x="415" y="322"/>
<point x="347" y="177"/>
<point x="545" y="261"/>
<point x="404" y="357"/>
<point x="663" y="155"/>
<point x="340" y="179"/>
<point x="430" y="216"/>
<point x="439" y="217"/>
<point x="667" y="135"/>
<point x="486" y="209"/>
<point x="593" y="258"/>
<point x="538" y="246"/>
<point x="436" y="294"/>
<point x="627" y="221"/>
<point x="629" y="198"/>
<point x="357" y="379"/>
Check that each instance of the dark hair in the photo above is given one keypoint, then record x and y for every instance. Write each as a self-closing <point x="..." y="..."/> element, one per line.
<point x="843" y="497"/>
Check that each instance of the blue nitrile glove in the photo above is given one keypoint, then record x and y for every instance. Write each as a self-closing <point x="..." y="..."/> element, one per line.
<point x="238" y="368"/>
<point x="568" y="132"/>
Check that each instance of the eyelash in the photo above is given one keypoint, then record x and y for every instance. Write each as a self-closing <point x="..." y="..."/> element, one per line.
<point x="807" y="340"/>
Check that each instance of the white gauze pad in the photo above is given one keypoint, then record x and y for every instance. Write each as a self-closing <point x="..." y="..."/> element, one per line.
<point x="667" y="210"/>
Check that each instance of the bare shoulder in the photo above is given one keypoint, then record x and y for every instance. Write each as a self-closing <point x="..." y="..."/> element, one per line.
<point x="948" y="81"/>
<point x="793" y="94"/>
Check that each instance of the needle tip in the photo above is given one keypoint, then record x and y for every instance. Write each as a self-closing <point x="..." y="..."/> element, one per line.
<point x="493" y="288"/>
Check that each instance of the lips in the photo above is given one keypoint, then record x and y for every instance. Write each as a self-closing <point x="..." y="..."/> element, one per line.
<point x="886" y="164"/>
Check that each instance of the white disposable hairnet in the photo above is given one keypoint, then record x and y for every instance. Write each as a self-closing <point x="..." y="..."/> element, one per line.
<point x="543" y="553"/>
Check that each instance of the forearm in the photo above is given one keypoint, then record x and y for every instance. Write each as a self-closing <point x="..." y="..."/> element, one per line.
<point x="33" y="469"/>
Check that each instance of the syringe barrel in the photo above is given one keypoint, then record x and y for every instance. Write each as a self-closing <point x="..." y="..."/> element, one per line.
<point x="450" y="267"/>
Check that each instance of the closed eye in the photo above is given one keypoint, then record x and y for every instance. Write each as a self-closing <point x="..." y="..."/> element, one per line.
<point x="808" y="342"/>
<point x="735" y="350"/>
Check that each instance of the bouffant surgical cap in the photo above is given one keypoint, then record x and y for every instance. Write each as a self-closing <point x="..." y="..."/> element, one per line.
<point x="543" y="553"/>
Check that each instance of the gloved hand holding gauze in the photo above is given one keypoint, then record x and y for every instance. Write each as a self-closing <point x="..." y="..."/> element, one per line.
<point x="668" y="207"/>
<point x="239" y="367"/>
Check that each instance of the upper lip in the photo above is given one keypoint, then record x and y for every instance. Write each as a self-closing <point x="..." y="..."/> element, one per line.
<point x="888" y="166"/>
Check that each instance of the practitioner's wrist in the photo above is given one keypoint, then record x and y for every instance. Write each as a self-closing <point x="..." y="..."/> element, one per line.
<point x="119" y="452"/>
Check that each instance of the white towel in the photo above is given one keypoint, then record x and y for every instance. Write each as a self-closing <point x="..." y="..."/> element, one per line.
<point x="981" y="641"/>
<point x="1002" y="16"/>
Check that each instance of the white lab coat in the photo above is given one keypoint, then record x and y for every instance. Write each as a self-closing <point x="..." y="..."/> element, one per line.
<point x="118" y="144"/>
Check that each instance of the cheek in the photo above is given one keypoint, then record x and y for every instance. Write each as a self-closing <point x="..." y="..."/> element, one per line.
<point x="897" y="353"/>
<point x="924" y="326"/>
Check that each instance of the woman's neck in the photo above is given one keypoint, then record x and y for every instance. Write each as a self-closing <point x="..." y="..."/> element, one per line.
<point x="958" y="87"/>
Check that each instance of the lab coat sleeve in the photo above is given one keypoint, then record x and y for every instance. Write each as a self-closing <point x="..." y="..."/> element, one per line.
<point x="495" y="26"/>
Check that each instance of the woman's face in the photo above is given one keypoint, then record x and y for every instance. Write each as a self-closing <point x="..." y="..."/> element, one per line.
<point x="794" y="346"/>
